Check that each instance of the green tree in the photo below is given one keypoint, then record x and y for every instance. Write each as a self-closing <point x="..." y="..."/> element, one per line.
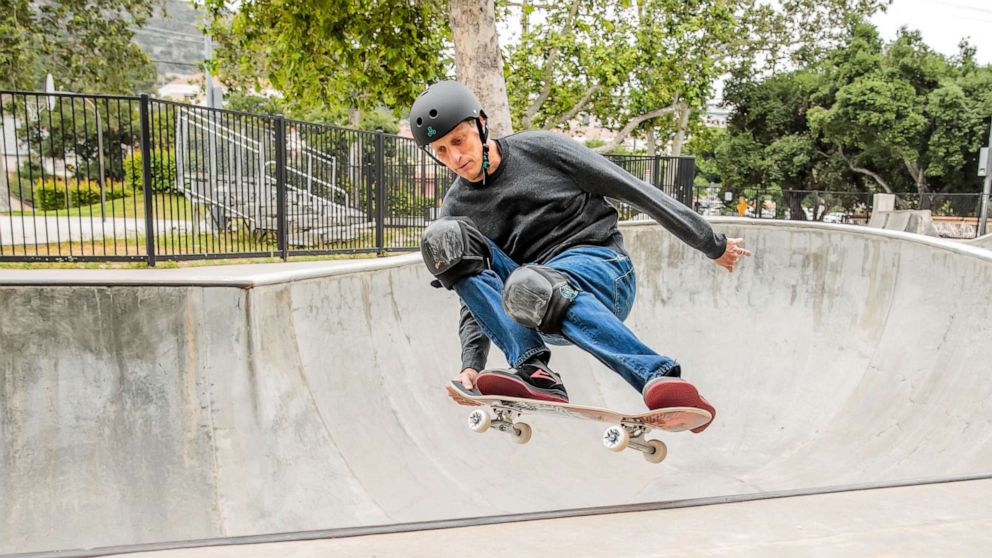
<point x="630" y="65"/>
<point x="354" y="56"/>
<point x="769" y="146"/>
<point x="903" y="115"/>
<point x="864" y="117"/>
<point x="645" y="66"/>
<point x="86" y="45"/>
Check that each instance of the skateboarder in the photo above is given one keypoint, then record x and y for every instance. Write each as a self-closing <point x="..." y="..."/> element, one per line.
<point x="528" y="241"/>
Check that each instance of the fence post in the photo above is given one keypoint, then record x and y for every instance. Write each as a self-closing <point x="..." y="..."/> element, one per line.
<point x="687" y="179"/>
<point x="281" y="198"/>
<point x="656" y="174"/>
<point x="146" y="179"/>
<point x="380" y="194"/>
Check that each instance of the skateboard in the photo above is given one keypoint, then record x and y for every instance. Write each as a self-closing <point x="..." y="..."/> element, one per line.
<point x="626" y="431"/>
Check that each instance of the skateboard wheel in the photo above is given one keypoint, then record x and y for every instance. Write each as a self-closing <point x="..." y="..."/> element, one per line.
<point x="479" y="420"/>
<point x="659" y="453"/>
<point x="521" y="432"/>
<point x="615" y="438"/>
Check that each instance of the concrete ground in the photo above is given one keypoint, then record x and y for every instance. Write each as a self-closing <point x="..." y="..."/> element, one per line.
<point x="930" y="520"/>
<point x="160" y="405"/>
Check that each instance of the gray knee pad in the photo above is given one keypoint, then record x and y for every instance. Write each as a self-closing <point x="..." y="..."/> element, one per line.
<point x="454" y="248"/>
<point x="537" y="296"/>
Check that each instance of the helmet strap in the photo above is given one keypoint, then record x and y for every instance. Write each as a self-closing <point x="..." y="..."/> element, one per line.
<point x="484" y="136"/>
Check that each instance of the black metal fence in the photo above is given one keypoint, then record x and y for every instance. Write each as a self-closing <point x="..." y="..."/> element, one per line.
<point x="99" y="177"/>
<point x="672" y="175"/>
<point x="955" y="215"/>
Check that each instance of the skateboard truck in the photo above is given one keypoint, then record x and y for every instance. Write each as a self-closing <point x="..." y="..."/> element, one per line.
<point x="631" y="435"/>
<point x="519" y="432"/>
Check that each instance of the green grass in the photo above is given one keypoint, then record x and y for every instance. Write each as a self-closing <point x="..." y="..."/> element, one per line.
<point x="188" y="244"/>
<point x="167" y="206"/>
<point x="175" y="207"/>
<point x="69" y="263"/>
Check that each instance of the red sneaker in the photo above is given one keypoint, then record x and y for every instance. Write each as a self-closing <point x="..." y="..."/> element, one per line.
<point x="531" y="381"/>
<point x="667" y="391"/>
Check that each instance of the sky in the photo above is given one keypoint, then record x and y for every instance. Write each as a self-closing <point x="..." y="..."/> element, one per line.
<point x="943" y="23"/>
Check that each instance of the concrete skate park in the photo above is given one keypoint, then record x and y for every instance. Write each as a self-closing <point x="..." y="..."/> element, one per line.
<point x="298" y="410"/>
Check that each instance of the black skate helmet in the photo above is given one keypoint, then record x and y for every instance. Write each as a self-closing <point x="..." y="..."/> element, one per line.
<point x="440" y="109"/>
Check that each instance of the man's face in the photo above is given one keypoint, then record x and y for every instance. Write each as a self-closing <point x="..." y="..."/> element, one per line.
<point x="461" y="151"/>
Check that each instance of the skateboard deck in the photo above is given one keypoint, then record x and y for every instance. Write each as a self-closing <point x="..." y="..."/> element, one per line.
<point x="627" y="430"/>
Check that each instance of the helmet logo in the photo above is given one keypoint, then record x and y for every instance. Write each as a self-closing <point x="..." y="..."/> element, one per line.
<point x="431" y="132"/>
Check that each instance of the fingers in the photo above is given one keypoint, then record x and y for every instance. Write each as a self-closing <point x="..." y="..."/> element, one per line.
<point x="738" y="246"/>
<point x="734" y="252"/>
<point x="467" y="378"/>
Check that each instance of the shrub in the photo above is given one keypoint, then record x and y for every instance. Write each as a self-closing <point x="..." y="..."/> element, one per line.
<point x="407" y="203"/>
<point x="58" y="193"/>
<point x="163" y="171"/>
<point x="21" y="181"/>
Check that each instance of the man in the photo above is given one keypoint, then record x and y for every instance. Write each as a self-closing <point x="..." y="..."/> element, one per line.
<point x="528" y="241"/>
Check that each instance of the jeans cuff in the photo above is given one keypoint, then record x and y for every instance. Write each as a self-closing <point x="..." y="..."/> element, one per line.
<point x="671" y="369"/>
<point x="529" y="355"/>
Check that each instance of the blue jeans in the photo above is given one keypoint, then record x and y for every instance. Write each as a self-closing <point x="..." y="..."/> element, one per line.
<point x="594" y="321"/>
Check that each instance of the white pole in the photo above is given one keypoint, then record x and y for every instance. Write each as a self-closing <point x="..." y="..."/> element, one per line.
<point x="984" y="217"/>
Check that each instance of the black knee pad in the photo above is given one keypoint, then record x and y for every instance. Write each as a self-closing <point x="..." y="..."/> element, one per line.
<point x="454" y="248"/>
<point x="537" y="297"/>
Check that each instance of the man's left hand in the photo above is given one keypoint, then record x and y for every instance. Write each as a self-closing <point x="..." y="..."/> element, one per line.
<point x="732" y="255"/>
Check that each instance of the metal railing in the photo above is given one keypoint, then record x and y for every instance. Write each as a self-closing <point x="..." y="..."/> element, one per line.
<point x="956" y="215"/>
<point x="100" y="177"/>
<point x="672" y="175"/>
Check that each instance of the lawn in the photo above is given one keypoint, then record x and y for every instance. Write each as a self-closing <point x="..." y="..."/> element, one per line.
<point x="167" y="206"/>
<point x="233" y="243"/>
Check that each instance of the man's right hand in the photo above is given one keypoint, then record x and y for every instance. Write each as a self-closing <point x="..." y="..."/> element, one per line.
<point x="467" y="378"/>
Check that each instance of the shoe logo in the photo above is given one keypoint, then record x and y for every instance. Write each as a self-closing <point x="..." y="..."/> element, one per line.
<point x="541" y="375"/>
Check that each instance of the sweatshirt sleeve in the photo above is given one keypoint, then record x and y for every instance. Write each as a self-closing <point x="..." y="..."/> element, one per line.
<point x="475" y="344"/>
<point x="596" y="174"/>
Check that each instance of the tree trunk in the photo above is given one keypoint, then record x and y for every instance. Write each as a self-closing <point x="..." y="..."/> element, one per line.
<point x="633" y="123"/>
<point x="572" y="112"/>
<point x="684" y="112"/>
<point x="922" y="186"/>
<point x="874" y="176"/>
<point x="871" y="174"/>
<point x="354" y="118"/>
<point x="795" y="201"/>
<point x="478" y="60"/>
<point x="652" y="142"/>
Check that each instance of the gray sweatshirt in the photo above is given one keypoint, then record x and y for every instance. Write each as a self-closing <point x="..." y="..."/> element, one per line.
<point x="549" y="194"/>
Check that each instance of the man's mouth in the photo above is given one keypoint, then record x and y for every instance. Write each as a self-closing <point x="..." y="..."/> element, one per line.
<point x="464" y="167"/>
